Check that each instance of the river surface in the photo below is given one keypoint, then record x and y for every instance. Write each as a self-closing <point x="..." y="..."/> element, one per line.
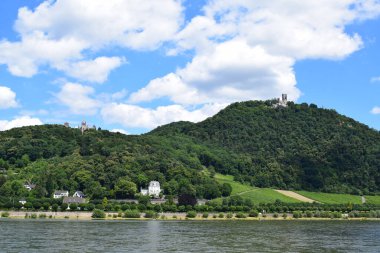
<point x="188" y="236"/>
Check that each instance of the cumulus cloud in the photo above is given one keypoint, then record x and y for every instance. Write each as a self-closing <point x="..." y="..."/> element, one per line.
<point x="96" y="70"/>
<point x="117" y="130"/>
<point x="57" y="32"/>
<point x="7" y="98"/>
<point x="78" y="98"/>
<point x="19" y="122"/>
<point x="136" y="116"/>
<point x="247" y="49"/>
<point x="375" y="110"/>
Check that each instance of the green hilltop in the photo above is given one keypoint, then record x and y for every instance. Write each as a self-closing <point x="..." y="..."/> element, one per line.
<point x="298" y="147"/>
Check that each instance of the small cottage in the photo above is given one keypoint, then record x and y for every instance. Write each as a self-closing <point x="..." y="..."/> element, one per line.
<point x="60" y="194"/>
<point x="78" y="194"/>
<point x="29" y="186"/>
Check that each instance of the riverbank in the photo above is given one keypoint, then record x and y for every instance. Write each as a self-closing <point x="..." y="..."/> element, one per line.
<point x="160" y="216"/>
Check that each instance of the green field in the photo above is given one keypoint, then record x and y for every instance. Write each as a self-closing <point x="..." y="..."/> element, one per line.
<point x="267" y="195"/>
<point x="333" y="198"/>
<point x="373" y="200"/>
<point x="257" y="195"/>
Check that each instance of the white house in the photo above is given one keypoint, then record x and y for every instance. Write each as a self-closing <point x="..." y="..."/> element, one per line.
<point x="29" y="186"/>
<point x="154" y="189"/>
<point x="78" y="194"/>
<point x="22" y="201"/>
<point x="60" y="194"/>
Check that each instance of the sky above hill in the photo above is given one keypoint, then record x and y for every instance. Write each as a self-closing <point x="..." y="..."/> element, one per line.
<point x="132" y="65"/>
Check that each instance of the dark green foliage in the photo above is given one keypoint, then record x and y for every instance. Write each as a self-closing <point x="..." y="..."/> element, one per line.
<point x="299" y="147"/>
<point x="191" y="214"/>
<point x="151" y="215"/>
<point x="132" y="214"/>
<point x="98" y="214"/>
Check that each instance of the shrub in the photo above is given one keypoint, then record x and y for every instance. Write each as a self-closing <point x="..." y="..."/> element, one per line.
<point x="150" y="215"/>
<point x="221" y="215"/>
<point x="174" y="217"/>
<point x="98" y="214"/>
<point x="284" y="216"/>
<point x="229" y="215"/>
<point x="73" y="207"/>
<point x="42" y="216"/>
<point x="5" y="215"/>
<point x="64" y="207"/>
<point x="253" y="213"/>
<point x="275" y="215"/>
<point x="33" y="216"/>
<point x="241" y="215"/>
<point x="205" y="215"/>
<point x="54" y="207"/>
<point x="132" y="214"/>
<point x="191" y="214"/>
<point x="214" y="216"/>
<point x="297" y="214"/>
<point x="90" y="207"/>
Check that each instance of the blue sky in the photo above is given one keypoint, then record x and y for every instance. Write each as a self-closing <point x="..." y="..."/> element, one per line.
<point x="130" y="66"/>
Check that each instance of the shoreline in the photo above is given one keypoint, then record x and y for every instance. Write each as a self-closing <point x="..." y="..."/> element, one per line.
<point x="110" y="216"/>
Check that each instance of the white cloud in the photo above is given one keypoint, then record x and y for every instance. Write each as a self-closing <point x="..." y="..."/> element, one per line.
<point x="57" y="32"/>
<point x="375" y="79"/>
<point x="117" y="130"/>
<point x="78" y="98"/>
<point x="19" y="122"/>
<point x="96" y="70"/>
<point x="7" y="98"/>
<point x="247" y="49"/>
<point x="136" y="116"/>
<point x="232" y="71"/>
<point x="375" y="110"/>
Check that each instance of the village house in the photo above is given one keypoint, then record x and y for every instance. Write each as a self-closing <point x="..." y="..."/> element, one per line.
<point x="78" y="194"/>
<point x="60" y="194"/>
<point x="154" y="189"/>
<point x="29" y="186"/>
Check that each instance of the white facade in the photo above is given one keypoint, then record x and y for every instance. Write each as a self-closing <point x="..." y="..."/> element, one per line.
<point x="60" y="194"/>
<point x="154" y="189"/>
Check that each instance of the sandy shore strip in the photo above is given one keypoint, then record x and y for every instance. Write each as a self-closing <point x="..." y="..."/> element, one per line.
<point x="295" y="195"/>
<point x="162" y="216"/>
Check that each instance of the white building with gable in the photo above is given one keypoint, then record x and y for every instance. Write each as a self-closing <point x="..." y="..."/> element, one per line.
<point x="154" y="189"/>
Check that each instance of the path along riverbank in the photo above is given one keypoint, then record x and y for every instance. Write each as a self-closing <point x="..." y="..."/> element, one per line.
<point x="160" y="216"/>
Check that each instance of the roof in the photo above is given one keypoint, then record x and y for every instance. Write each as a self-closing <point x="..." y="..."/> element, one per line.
<point x="79" y="193"/>
<point x="73" y="200"/>
<point x="60" y="192"/>
<point x="154" y="184"/>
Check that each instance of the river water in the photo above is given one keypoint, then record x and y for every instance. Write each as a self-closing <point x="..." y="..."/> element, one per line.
<point x="188" y="236"/>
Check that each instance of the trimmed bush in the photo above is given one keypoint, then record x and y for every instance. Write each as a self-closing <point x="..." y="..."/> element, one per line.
<point x="5" y="215"/>
<point x="229" y="215"/>
<point x="42" y="216"/>
<point x="221" y="215"/>
<point x="132" y="214"/>
<point x="253" y="213"/>
<point x="191" y="214"/>
<point x="98" y="214"/>
<point x="205" y="215"/>
<point x="241" y="215"/>
<point x="275" y="215"/>
<point x="284" y="215"/>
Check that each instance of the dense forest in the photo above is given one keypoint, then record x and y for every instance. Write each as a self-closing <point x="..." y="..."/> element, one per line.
<point x="297" y="147"/>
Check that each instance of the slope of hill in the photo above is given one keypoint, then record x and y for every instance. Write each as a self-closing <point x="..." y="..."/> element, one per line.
<point x="298" y="147"/>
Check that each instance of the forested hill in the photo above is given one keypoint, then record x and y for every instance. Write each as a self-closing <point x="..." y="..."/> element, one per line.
<point x="301" y="146"/>
<point x="298" y="147"/>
